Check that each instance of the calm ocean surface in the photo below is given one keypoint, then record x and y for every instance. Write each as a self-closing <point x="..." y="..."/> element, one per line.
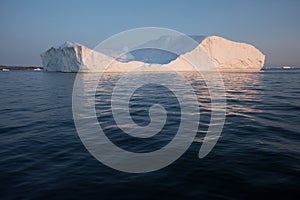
<point x="257" y="155"/>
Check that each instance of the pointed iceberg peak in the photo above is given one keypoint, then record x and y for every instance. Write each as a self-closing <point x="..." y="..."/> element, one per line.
<point x="66" y="45"/>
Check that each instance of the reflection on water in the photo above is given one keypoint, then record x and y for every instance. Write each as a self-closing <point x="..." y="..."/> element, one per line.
<point x="256" y="156"/>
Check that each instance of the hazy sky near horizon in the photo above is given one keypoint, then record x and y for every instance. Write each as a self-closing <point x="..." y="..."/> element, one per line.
<point x="30" y="27"/>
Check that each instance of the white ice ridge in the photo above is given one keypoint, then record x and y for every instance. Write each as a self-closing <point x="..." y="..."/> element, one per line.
<point x="225" y="54"/>
<point x="67" y="44"/>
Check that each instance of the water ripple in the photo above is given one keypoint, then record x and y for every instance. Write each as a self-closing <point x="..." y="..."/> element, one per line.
<point x="257" y="154"/>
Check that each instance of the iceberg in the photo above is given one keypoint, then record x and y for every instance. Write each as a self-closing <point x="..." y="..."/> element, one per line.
<point x="226" y="55"/>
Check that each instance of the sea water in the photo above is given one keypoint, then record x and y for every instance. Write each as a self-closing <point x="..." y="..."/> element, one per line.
<point x="257" y="155"/>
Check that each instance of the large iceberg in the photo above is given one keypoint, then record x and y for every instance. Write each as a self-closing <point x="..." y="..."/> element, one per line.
<point x="226" y="55"/>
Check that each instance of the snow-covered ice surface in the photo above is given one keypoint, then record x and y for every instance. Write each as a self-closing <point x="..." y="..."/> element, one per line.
<point x="67" y="44"/>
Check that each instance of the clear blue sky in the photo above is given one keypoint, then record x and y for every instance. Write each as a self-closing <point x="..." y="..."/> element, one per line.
<point x="28" y="28"/>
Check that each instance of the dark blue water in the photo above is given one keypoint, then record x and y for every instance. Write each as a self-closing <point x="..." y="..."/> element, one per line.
<point x="257" y="156"/>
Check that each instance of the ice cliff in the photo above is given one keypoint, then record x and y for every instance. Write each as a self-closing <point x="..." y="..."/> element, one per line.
<point x="225" y="54"/>
<point x="72" y="57"/>
<point x="229" y="55"/>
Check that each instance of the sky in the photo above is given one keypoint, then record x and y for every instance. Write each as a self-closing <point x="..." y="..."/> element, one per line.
<point x="28" y="28"/>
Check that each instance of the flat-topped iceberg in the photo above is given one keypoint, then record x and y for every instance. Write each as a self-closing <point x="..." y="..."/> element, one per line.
<point x="226" y="55"/>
